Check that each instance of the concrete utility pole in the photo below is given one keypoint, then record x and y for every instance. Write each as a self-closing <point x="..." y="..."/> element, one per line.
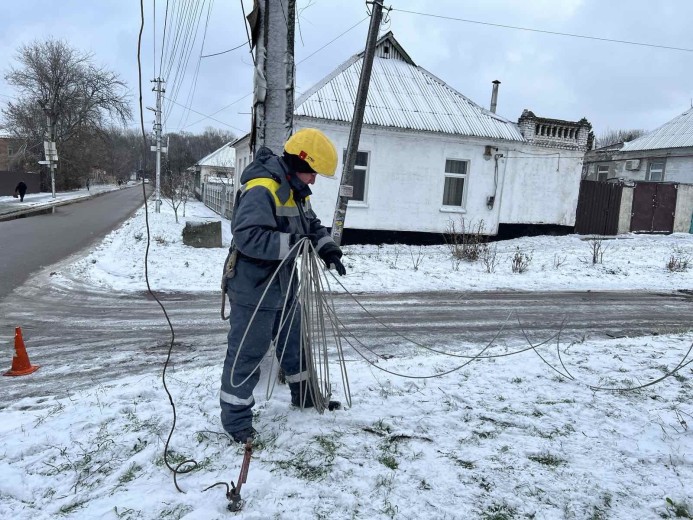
<point x="273" y="103"/>
<point x="159" y="89"/>
<point x="346" y="189"/>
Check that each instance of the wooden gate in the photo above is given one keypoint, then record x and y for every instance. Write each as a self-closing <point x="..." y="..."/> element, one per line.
<point x="654" y="206"/>
<point x="598" y="208"/>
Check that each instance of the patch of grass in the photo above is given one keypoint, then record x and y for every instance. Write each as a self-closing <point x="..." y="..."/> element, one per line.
<point x="130" y="473"/>
<point x="498" y="512"/>
<point x="677" y="509"/>
<point x="72" y="507"/>
<point x="485" y="434"/>
<point x="174" y="458"/>
<point x="497" y="422"/>
<point x="127" y="513"/>
<point x="424" y="486"/>
<point x="389" y="509"/>
<point x="599" y="512"/>
<point x="388" y="460"/>
<point x="312" y="463"/>
<point x="547" y="459"/>
<point x="175" y="513"/>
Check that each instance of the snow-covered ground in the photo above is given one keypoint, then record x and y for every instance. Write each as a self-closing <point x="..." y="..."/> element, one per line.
<point x="500" y="438"/>
<point x="629" y="262"/>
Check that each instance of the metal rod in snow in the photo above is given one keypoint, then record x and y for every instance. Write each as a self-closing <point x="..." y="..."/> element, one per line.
<point x="346" y="188"/>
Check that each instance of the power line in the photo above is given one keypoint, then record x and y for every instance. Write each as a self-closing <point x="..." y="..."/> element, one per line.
<point x="224" y="52"/>
<point x="200" y="113"/>
<point x="556" y="33"/>
<point x="163" y="40"/>
<point x="220" y="110"/>
<point x="304" y="59"/>
<point x="334" y="39"/>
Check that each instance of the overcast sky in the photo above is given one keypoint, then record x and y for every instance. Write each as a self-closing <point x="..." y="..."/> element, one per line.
<point x="612" y="85"/>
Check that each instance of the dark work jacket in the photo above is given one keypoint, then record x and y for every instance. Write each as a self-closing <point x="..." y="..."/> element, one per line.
<point x="21" y="188"/>
<point x="268" y="219"/>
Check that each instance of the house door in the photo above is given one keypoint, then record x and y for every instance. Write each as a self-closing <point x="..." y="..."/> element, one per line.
<point x="654" y="205"/>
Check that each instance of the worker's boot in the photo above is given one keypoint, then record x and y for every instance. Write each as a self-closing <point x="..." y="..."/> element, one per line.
<point x="301" y="398"/>
<point x="244" y="435"/>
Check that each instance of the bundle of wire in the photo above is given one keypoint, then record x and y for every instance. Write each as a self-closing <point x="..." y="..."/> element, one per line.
<point x="309" y="300"/>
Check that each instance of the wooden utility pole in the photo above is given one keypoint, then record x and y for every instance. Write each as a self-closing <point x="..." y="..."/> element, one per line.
<point x="272" y="27"/>
<point x="346" y="189"/>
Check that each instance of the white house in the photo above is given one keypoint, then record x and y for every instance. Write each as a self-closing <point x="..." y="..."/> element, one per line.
<point x="662" y="155"/>
<point x="220" y="163"/>
<point x="429" y="155"/>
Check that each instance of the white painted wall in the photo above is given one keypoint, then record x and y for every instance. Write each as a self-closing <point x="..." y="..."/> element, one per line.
<point x="683" y="218"/>
<point x="540" y="185"/>
<point x="679" y="169"/>
<point x="406" y="177"/>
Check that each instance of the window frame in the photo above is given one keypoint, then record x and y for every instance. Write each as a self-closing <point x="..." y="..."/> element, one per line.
<point x="366" y="175"/>
<point x="598" y="173"/>
<point x="650" y="163"/>
<point x="462" y="207"/>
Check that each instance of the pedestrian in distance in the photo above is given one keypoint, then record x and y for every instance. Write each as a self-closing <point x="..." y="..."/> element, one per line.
<point x="272" y="214"/>
<point x="88" y="184"/>
<point x="20" y="191"/>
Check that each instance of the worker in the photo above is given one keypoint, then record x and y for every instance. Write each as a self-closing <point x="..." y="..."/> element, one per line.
<point x="272" y="215"/>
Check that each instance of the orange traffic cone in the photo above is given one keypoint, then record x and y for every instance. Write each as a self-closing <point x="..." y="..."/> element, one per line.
<point x="21" y="365"/>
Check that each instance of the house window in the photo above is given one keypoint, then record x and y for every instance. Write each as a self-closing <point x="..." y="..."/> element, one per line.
<point x="602" y="172"/>
<point x="10" y="151"/>
<point x="359" y="177"/>
<point x="655" y="171"/>
<point x="455" y="182"/>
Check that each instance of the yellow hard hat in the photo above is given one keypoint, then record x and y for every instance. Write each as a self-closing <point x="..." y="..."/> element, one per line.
<point x="315" y="148"/>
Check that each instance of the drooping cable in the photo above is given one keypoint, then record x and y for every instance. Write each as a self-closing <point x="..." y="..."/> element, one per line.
<point x="193" y="464"/>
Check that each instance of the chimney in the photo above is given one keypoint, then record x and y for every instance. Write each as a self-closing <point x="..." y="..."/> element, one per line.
<point x="494" y="95"/>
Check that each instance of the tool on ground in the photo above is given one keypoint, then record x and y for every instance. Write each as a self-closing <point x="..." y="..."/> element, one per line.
<point x="234" y="494"/>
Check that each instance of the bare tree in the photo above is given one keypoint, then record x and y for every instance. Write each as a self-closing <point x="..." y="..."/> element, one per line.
<point x="64" y="97"/>
<point x="609" y="137"/>
<point x="175" y="189"/>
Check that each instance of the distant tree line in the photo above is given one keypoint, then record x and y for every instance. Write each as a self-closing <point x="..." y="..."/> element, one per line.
<point x="609" y="136"/>
<point x="64" y="97"/>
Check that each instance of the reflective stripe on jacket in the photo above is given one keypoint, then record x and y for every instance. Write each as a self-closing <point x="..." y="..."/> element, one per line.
<point x="266" y="222"/>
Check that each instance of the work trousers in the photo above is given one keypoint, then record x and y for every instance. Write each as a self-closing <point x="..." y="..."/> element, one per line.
<point x="237" y="383"/>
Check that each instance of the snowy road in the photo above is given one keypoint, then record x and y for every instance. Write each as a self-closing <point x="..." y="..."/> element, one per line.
<point x="92" y="337"/>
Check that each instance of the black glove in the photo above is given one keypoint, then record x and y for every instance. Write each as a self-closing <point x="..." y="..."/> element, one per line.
<point x="333" y="259"/>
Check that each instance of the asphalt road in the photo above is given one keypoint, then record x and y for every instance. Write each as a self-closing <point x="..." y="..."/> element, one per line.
<point x="84" y="337"/>
<point x="31" y="243"/>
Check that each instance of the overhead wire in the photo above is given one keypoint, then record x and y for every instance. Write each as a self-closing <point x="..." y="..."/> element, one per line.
<point x="193" y="86"/>
<point x="200" y="113"/>
<point x="542" y="31"/>
<point x="187" y="45"/>
<point x="176" y="470"/>
<point x="163" y="40"/>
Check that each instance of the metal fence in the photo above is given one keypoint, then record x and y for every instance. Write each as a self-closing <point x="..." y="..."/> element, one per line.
<point x="218" y="197"/>
<point x="598" y="208"/>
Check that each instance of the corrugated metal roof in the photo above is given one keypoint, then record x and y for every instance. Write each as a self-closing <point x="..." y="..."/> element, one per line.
<point x="677" y="133"/>
<point x="402" y="95"/>
<point x="223" y="157"/>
